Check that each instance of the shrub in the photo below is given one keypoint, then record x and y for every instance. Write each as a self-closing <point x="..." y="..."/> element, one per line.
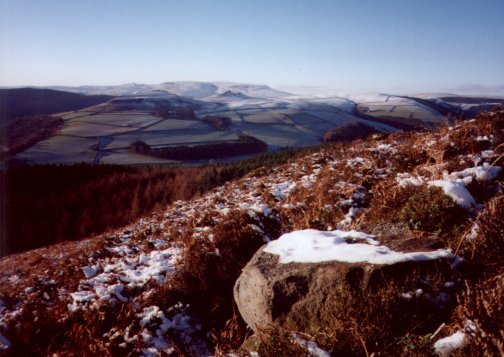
<point x="429" y="209"/>
<point x="416" y="207"/>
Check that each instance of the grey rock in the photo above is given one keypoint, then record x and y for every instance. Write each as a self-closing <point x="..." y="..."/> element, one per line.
<point x="309" y="296"/>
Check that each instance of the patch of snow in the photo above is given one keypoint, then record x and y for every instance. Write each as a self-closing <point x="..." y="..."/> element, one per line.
<point x="483" y="173"/>
<point x="470" y="327"/>
<point x="122" y="249"/>
<point x="289" y="206"/>
<point x="308" y="180"/>
<point x="449" y="284"/>
<point x="346" y="203"/>
<point x="5" y="344"/>
<point x="223" y="209"/>
<point x="444" y="347"/>
<point x="150" y="313"/>
<point x="356" y="161"/>
<point x="282" y="190"/>
<point x="131" y="271"/>
<point x="405" y="179"/>
<point x="155" y="325"/>
<point x="82" y="296"/>
<point x="485" y="154"/>
<point x="406" y="296"/>
<point x="384" y="148"/>
<point x="158" y="243"/>
<point x="312" y="246"/>
<point x="252" y="209"/>
<point x="430" y="143"/>
<point x="345" y="222"/>
<point x="14" y="279"/>
<point x="312" y="348"/>
<point x="457" y="190"/>
<point x="473" y="234"/>
<point x="154" y="265"/>
<point x="89" y="272"/>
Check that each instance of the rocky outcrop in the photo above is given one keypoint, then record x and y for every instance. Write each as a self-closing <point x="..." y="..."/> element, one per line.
<point x="311" y="296"/>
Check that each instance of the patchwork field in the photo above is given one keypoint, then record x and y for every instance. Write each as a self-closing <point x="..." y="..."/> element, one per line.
<point x="103" y="133"/>
<point x="60" y="149"/>
<point x="407" y="111"/>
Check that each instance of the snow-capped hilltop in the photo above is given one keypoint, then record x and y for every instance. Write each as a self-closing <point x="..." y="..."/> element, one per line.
<point x="190" y="89"/>
<point x="233" y="95"/>
<point x="255" y="90"/>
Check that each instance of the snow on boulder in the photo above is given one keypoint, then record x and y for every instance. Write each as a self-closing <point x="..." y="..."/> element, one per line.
<point x="309" y="279"/>
<point x="312" y="246"/>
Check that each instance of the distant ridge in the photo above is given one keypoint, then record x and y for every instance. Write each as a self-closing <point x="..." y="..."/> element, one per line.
<point x="19" y="102"/>
<point x="234" y="95"/>
<point x="191" y="89"/>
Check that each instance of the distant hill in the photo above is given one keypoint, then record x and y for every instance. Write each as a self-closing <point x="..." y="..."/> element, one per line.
<point x="20" y="102"/>
<point x="233" y="95"/>
<point x="190" y="89"/>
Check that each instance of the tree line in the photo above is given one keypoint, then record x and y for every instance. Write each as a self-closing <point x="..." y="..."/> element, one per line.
<point x="47" y="204"/>
<point x="243" y="146"/>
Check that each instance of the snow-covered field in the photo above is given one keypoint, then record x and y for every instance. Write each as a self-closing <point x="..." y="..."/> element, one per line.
<point x="278" y="118"/>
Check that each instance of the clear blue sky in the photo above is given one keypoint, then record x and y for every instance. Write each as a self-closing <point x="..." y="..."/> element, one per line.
<point x="351" y="44"/>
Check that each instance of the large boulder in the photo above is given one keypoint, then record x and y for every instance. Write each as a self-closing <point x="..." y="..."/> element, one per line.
<point x="311" y="280"/>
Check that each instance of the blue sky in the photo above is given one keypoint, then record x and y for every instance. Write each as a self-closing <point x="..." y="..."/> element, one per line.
<point x="347" y="45"/>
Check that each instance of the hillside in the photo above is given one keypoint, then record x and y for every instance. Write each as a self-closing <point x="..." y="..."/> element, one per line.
<point x="71" y="202"/>
<point x="20" y="102"/>
<point x="164" y="284"/>
<point x="25" y="115"/>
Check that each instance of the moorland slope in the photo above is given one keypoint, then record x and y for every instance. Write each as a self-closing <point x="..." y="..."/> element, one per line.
<point x="163" y="285"/>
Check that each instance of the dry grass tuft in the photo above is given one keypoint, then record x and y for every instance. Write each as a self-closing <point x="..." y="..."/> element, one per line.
<point x="486" y="249"/>
<point x="482" y="305"/>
